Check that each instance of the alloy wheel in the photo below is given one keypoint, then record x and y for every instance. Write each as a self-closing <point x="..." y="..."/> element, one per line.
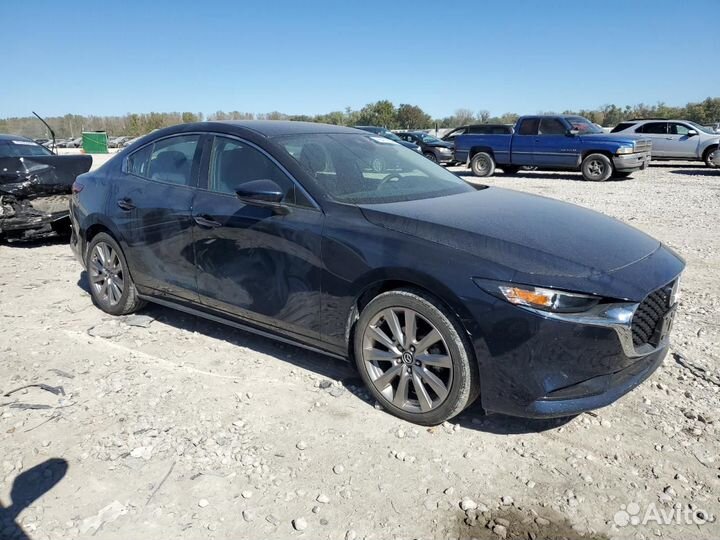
<point x="596" y="168"/>
<point x="107" y="277"/>
<point x="407" y="359"/>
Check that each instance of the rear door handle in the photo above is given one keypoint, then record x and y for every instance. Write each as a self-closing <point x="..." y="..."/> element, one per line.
<point x="205" y="221"/>
<point x="125" y="204"/>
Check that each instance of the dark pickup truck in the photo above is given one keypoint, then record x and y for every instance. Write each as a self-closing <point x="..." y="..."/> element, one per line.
<point x="557" y="142"/>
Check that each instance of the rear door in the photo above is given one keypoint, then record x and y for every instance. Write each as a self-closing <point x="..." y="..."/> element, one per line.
<point x="252" y="261"/>
<point x="657" y="132"/>
<point x="677" y="143"/>
<point x="523" y="141"/>
<point x="553" y="147"/>
<point x="151" y="209"/>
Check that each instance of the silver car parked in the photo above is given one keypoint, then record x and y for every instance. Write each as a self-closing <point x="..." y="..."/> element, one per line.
<point x="674" y="139"/>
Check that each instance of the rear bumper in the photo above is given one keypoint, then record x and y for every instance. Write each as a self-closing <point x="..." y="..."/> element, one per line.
<point x="77" y="243"/>
<point x="631" y="162"/>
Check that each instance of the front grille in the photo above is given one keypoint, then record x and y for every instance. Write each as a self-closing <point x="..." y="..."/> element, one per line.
<point x="648" y="317"/>
<point x="643" y="145"/>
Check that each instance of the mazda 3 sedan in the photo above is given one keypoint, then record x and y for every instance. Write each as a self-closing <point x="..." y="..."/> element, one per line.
<point x="438" y="291"/>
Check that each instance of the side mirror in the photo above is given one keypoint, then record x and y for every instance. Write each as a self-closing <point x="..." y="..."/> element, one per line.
<point x="264" y="192"/>
<point x="573" y="132"/>
<point x="692" y="133"/>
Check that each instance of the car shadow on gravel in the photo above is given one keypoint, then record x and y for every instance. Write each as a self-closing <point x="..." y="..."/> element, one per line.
<point x="27" y="488"/>
<point x="698" y="172"/>
<point x="474" y="417"/>
<point x="320" y="364"/>
<point x="38" y="242"/>
<point x="683" y="164"/>
<point x="515" y="523"/>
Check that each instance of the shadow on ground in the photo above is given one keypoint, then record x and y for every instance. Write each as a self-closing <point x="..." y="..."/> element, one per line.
<point x="27" y="488"/>
<point x="474" y="417"/>
<point x="698" y="172"/>
<point x="39" y="242"/>
<point x="322" y="365"/>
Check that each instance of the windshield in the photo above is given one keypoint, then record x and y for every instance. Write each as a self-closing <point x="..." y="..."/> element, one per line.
<point x="390" y="135"/>
<point x="368" y="169"/>
<point x="702" y="128"/>
<point x="429" y="139"/>
<point x="583" y="125"/>
<point x="20" y="148"/>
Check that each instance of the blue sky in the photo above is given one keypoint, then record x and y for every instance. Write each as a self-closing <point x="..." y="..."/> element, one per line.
<point x="304" y="56"/>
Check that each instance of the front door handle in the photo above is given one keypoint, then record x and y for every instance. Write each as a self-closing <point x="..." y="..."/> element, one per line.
<point x="206" y="222"/>
<point x="125" y="204"/>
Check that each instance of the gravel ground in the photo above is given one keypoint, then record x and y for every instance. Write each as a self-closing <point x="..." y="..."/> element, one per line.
<point x="169" y="426"/>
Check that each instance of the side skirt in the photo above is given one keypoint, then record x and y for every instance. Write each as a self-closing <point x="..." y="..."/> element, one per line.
<point x="240" y="326"/>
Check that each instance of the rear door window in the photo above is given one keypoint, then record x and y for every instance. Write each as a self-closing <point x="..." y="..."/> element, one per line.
<point x="529" y="126"/>
<point x="175" y="160"/>
<point x="653" y="128"/>
<point x="137" y="162"/>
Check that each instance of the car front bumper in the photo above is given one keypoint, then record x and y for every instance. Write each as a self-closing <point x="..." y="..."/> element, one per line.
<point x="536" y="365"/>
<point x="33" y="219"/>
<point x="631" y="162"/>
<point x="444" y="157"/>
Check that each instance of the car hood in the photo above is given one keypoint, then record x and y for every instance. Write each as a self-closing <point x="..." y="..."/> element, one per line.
<point x="441" y="144"/>
<point x="526" y="234"/>
<point x="620" y="138"/>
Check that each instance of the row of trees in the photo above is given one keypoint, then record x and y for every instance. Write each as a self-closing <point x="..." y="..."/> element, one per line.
<point x="381" y="113"/>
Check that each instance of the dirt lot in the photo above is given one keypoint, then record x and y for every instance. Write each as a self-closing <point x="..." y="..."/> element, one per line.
<point x="174" y="427"/>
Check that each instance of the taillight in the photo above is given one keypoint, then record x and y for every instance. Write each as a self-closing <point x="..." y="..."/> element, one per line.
<point x="77" y="187"/>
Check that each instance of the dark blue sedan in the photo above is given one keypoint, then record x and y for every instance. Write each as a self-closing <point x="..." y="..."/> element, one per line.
<point x="438" y="291"/>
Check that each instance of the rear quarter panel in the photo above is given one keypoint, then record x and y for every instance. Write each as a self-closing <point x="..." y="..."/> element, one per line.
<point x="496" y="145"/>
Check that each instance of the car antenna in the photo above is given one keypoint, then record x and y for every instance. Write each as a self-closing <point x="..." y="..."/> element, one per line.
<point x="51" y="130"/>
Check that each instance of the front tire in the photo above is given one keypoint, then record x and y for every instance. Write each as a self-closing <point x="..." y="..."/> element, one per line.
<point x="411" y="354"/>
<point x="596" y="168"/>
<point x="431" y="157"/>
<point x="482" y="164"/>
<point x="111" y="286"/>
<point x="707" y="154"/>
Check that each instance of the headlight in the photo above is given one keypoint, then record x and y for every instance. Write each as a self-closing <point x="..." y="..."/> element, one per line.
<point x="625" y="150"/>
<point x="539" y="297"/>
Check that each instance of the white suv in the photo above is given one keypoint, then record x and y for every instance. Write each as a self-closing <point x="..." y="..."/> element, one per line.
<point x="674" y="139"/>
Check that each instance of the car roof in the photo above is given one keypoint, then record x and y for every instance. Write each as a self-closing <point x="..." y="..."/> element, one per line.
<point x="9" y="137"/>
<point x="264" y="128"/>
<point x="273" y="128"/>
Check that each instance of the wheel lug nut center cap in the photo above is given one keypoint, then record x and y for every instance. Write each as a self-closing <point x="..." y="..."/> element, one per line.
<point x="407" y="358"/>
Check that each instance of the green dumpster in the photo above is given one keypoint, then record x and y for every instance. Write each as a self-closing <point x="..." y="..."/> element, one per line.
<point x="94" y="142"/>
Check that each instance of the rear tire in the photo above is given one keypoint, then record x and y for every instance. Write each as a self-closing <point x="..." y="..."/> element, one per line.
<point x="411" y="352"/>
<point x="111" y="286"/>
<point x="596" y="168"/>
<point x="482" y="164"/>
